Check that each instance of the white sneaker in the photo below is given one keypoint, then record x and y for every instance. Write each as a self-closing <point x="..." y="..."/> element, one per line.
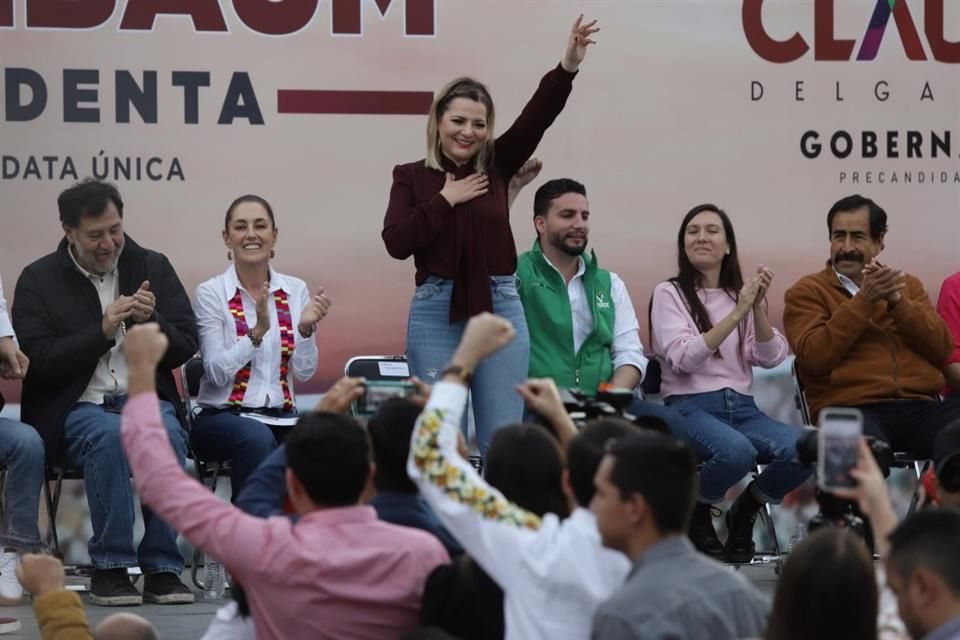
<point x="9" y="625"/>
<point x="11" y="593"/>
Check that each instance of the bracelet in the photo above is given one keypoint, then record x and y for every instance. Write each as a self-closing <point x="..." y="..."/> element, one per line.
<point x="456" y="370"/>
<point x="256" y="340"/>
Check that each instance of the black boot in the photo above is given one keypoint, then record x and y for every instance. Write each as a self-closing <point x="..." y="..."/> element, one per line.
<point x="740" y="520"/>
<point x="702" y="533"/>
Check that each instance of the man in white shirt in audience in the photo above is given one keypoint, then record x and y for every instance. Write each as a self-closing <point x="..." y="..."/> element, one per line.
<point x="553" y="573"/>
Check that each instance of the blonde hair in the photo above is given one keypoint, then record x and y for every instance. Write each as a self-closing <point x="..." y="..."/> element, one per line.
<point x="459" y="88"/>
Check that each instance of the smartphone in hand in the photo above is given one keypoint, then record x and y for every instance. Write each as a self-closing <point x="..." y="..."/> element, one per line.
<point x="838" y="447"/>
<point x="376" y="392"/>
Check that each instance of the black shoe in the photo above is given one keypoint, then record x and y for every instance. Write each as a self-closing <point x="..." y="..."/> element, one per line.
<point x="166" y="588"/>
<point x="740" y="520"/>
<point x="112" y="588"/>
<point x="702" y="533"/>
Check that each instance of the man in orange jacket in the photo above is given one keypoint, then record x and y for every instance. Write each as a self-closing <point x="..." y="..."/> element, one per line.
<point x="866" y="335"/>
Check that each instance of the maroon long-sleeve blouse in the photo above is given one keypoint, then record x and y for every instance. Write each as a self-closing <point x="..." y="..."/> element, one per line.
<point x="472" y="241"/>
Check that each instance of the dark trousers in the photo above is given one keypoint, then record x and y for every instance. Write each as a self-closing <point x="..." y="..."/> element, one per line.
<point x="220" y="435"/>
<point x="909" y="425"/>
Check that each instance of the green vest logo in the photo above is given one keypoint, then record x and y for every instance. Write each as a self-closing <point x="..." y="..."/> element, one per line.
<point x="602" y="302"/>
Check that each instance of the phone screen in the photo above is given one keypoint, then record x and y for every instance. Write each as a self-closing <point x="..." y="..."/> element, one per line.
<point x="378" y="392"/>
<point x="839" y="447"/>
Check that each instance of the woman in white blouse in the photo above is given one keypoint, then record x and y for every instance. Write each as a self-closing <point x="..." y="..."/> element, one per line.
<point x="256" y="335"/>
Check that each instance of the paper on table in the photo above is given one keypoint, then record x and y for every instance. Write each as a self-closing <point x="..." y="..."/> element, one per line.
<point x="394" y="369"/>
<point x="271" y="420"/>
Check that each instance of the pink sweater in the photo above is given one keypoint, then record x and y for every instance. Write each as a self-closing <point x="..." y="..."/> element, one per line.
<point x="336" y="573"/>
<point x="688" y="366"/>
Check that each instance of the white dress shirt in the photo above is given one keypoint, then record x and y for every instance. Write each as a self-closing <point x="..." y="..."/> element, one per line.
<point x="847" y="283"/>
<point x="224" y="353"/>
<point x="554" y="573"/>
<point x="626" y="348"/>
<point x="6" y="327"/>
<point x="110" y="376"/>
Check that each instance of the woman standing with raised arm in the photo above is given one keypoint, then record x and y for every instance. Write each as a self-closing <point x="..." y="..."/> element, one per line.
<point x="450" y="212"/>
<point x="709" y="328"/>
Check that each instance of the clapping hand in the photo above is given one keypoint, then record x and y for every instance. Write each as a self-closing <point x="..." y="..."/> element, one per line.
<point x="764" y="280"/>
<point x="261" y="298"/>
<point x="13" y="362"/>
<point x="881" y="282"/>
<point x="144" y="303"/>
<point x="748" y="295"/>
<point x="315" y="311"/>
<point x="115" y="315"/>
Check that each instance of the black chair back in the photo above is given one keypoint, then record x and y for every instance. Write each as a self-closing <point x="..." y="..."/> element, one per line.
<point x="192" y="373"/>
<point x="652" y="378"/>
<point x="377" y="367"/>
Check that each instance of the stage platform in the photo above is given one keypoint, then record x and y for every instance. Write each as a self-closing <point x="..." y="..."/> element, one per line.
<point x="188" y="622"/>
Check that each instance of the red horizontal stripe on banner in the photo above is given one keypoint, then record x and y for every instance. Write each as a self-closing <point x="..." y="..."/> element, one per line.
<point x="358" y="102"/>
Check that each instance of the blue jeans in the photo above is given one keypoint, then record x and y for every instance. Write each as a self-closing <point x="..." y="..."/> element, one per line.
<point x="730" y="435"/>
<point x="21" y="453"/>
<point x="92" y="439"/>
<point x="431" y="341"/>
<point x="246" y="442"/>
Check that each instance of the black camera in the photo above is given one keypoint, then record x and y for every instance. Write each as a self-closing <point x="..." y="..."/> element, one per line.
<point x="607" y="403"/>
<point x="833" y="510"/>
<point x="948" y="475"/>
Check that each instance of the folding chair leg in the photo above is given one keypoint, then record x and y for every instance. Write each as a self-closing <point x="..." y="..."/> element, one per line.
<point x="766" y="515"/>
<point x="3" y="486"/>
<point x="195" y="569"/>
<point x="197" y="553"/>
<point x="53" y="503"/>
<point x="919" y="469"/>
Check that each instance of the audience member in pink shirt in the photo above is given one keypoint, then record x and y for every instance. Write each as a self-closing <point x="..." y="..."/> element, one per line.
<point x="338" y="572"/>
<point x="708" y="329"/>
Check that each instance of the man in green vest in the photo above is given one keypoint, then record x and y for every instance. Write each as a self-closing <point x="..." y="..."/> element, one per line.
<point x="583" y="327"/>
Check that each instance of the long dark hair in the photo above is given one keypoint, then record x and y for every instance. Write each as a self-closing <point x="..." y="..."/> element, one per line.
<point x="828" y="590"/>
<point x="525" y="463"/>
<point x="689" y="278"/>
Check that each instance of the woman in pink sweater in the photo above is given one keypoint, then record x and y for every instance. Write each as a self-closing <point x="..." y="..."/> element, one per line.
<point x="709" y="327"/>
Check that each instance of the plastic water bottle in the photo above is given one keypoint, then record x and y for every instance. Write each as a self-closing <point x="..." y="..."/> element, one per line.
<point x="799" y="533"/>
<point x="214" y="578"/>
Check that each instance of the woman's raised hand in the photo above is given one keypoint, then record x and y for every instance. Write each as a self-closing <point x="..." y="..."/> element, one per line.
<point x="578" y="42"/>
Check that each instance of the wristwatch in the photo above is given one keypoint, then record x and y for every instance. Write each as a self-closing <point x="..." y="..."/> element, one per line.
<point x="456" y="370"/>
